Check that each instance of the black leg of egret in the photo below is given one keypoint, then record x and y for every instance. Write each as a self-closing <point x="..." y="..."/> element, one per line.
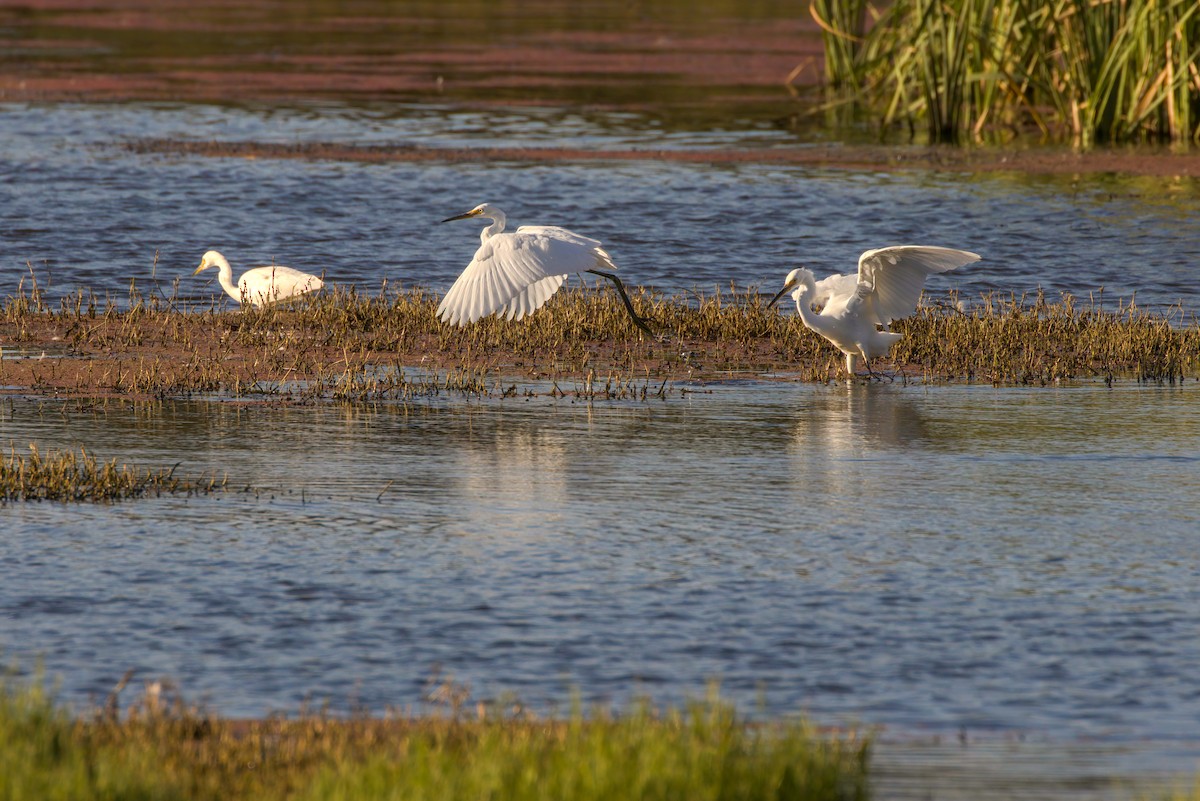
<point x="638" y="321"/>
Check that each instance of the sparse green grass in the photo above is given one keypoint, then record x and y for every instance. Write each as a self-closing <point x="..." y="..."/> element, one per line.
<point x="349" y="346"/>
<point x="68" y="476"/>
<point x="164" y="750"/>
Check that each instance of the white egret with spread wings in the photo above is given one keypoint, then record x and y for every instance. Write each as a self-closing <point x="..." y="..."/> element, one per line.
<point x="513" y="274"/>
<point x="854" y="308"/>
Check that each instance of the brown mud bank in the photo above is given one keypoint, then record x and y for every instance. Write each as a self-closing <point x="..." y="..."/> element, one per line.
<point x="280" y="51"/>
<point x="1164" y="164"/>
<point x="345" y="347"/>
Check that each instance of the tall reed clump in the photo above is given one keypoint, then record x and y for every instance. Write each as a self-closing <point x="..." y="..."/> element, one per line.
<point x="163" y="749"/>
<point x="1089" y="70"/>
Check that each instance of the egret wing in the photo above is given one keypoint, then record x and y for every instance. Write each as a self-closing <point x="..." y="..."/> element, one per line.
<point x="533" y="297"/>
<point x="834" y="286"/>
<point x="263" y="285"/>
<point x="583" y="251"/>
<point x="895" y="276"/>
<point x="511" y="271"/>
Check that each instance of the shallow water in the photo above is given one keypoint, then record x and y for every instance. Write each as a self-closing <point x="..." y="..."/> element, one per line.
<point x="940" y="557"/>
<point x="82" y="212"/>
<point x="1007" y="565"/>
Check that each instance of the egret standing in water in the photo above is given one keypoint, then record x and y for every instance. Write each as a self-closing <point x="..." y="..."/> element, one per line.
<point x="888" y="286"/>
<point x="260" y="285"/>
<point x="514" y="274"/>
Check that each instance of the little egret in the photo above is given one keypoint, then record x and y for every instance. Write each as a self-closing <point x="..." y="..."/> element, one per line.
<point x="514" y="274"/>
<point x="887" y="287"/>
<point x="260" y="285"/>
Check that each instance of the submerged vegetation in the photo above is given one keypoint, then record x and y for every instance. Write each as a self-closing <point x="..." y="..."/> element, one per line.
<point x="1089" y="70"/>
<point x="349" y="346"/>
<point x="68" y="476"/>
<point x="163" y="749"/>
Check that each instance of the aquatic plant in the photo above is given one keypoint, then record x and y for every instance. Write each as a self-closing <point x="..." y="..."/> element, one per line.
<point x="1107" y="71"/>
<point x="162" y="748"/>
<point x="67" y="476"/>
<point x="1020" y="340"/>
<point x="351" y="346"/>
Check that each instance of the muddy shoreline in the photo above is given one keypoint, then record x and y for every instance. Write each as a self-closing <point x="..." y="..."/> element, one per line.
<point x="859" y="157"/>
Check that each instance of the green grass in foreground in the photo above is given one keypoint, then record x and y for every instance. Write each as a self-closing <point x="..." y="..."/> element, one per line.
<point x="166" y="751"/>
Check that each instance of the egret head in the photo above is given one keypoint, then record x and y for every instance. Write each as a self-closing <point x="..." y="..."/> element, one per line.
<point x="798" y="280"/>
<point x="211" y="259"/>
<point x="482" y="210"/>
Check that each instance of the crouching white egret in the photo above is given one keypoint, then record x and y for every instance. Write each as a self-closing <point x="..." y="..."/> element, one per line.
<point x="260" y="285"/>
<point x="514" y="274"/>
<point x="888" y="286"/>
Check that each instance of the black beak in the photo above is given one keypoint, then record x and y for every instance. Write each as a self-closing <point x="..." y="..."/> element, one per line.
<point x="780" y="294"/>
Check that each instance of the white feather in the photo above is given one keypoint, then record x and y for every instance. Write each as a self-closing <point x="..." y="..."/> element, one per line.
<point x="887" y="287"/>
<point x="260" y="285"/>
<point x="514" y="274"/>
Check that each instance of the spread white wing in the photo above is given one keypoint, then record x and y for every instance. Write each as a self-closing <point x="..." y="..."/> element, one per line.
<point x="892" y="278"/>
<point x="516" y="273"/>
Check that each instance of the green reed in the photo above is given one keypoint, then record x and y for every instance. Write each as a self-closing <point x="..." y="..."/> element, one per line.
<point x="1088" y="70"/>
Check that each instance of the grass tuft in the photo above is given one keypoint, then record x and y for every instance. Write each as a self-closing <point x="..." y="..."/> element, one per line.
<point x="68" y="476"/>
<point x="162" y="749"/>
<point x="349" y="346"/>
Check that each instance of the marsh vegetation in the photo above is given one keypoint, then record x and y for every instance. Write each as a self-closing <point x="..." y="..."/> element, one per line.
<point x="388" y="345"/>
<point x="70" y="476"/>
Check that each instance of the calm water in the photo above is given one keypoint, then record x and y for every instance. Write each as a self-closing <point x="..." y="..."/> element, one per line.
<point x="83" y="212"/>
<point x="1001" y="563"/>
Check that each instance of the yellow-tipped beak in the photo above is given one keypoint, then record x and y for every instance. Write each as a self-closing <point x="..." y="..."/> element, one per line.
<point x="203" y="266"/>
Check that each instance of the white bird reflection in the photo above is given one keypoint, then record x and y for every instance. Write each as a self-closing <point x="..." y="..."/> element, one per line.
<point x="516" y="476"/>
<point x="836" y="430"/>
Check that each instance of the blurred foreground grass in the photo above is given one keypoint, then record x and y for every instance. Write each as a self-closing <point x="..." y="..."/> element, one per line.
<point x="161" y="749"/>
